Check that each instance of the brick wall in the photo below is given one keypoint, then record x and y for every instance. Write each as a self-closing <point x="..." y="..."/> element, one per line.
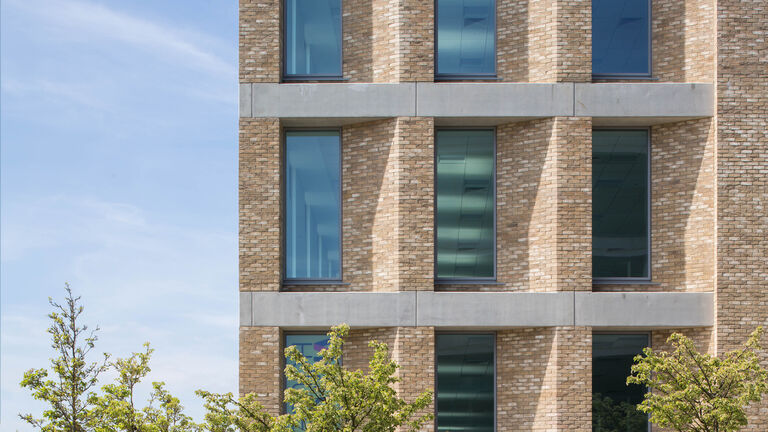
<point x="260" y="41"/>
<point x="742" y="173"/>
<point x="261" y="365"/>
<point x="413" y="348"/>
<point x="259" y="201"/>
<point x="544" y="380"/>
<point x="683" y="40"/>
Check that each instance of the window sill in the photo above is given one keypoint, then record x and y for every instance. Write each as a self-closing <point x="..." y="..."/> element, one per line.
<point x="453" y="78"/>
<point x="311" y="79"/>
<point x="290" y="283"/>
<point x="624" y="282"/>
<point x="624" y="78"/>
<point x="468" y="282"/>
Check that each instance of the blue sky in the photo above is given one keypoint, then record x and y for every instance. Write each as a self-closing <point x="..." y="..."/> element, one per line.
<point x="119" y="176"/>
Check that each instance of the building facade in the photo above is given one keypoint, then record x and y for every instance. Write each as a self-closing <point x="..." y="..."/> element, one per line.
<point x="515" y="195"/>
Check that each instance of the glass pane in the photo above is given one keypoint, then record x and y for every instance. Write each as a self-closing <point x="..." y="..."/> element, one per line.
<point x="313" y="37"/>
<point x="309" y="345"/>
<point x="620" y="37"/>
<point x="466" y="37"/>
<point x="313" y="205"/>
<point x="465" y="204"/>
<point x="613" y="401"/>
<point x="465" y="382"/>
<point x="620" y="203"/>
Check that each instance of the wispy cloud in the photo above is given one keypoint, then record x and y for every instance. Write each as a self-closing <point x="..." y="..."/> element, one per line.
<point x="93" y="22"/>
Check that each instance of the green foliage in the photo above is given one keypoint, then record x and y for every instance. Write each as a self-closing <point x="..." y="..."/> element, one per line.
<point x="694" y="392"/>
<point x="611" y="416"/>
<point x="74" y="404"/>
<point x="115" y="410"/>
<point x="332" y="398"/>
<point x="67" y="391"/>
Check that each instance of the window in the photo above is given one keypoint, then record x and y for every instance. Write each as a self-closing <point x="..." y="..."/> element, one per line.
<point x="309" y="345"/>
<point x="621" y="37"/>
<point x="613" y="401"/>
<point x="312" y="39"/>
<point x="312" y="205"/>
<point x="466" y="204"/>
<point x="466" y="383"/>
<point x="620" y="204"/>
<point x="466" y="38"/>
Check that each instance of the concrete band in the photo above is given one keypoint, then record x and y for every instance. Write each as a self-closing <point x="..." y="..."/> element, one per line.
<point x="477" y="310"/>
<point x="478" y="103"/>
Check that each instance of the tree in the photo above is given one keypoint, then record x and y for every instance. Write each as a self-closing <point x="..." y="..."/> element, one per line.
<point x="73" y="377"/>
<point x="116" y="410"/>
<point x="74" y="404"/>
<point x="694" y="392"/>
<point x="331" y="398"/>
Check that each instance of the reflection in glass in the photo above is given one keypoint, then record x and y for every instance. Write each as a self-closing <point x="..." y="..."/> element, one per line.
<point x="313" y="37"/>
<point x="465" y="382"/>
<point x="613" y="401"/>
<point x="620" y="37"/>
<point x="313" y="205"/>
<point x="465" y="204"/>
<point x="620" y="203"/>
<point x="466" y="37"/>
<point x="309" y="345"/>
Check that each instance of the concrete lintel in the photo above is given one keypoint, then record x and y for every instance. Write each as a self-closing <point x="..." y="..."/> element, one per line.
<point x="644" y="310"/>
<point x="325" y="309"/>
<point x="494" y="309"/>
<point x="479" y="103"/>
<point x="494" y="99"/>
<point x="333" y="100"/>
<point x="644" y="100"/>
<point x="245" y="100"/>
<point x="246" y="309"/>
<point x="471" y="310"/>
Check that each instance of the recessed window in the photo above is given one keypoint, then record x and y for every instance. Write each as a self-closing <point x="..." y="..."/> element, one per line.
<point x="309" y="345"/>
<point x="312" y="205"/>
<point x="466" y="203"/>
<point x="312" y="38"/>
<point x="466" y="38"/>
<point x="620" y="203"/>
<point x="465" y="382"/>
<point x="621" y="37"/>
<point x="613" y="401"/>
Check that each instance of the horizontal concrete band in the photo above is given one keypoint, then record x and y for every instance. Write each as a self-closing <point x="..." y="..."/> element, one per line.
<point x="475" y="310"/>
<point x="495" y="102"/>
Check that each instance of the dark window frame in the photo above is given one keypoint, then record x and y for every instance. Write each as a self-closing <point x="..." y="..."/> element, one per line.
<point x="285" y="281"/>
<point x="632" y="75"/>
<point x="479" y="76"/>
<point x="648" y="334"/>
<point x="286" y="77"/>
<point x="494" y="334"/>
<point x="630" y="280"/>
<point x="474" y="280"/>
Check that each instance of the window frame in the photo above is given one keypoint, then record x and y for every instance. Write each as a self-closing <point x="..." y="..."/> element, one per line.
<point x="494" y="334"/>
<point x="649" y="229"/>
<point x="285" y="281"/>
<point x="461" y="77"/>
<point x="286" y="77"/>
<point x="630" y="75"/>
<point x="473" y="280"/>
<point x="648" y="334"/>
